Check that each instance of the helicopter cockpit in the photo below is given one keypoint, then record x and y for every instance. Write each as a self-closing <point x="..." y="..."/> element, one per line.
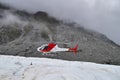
<point x="44" y="47"/>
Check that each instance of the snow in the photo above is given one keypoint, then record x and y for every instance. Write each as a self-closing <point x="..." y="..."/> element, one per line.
<point x="22" y="68"/>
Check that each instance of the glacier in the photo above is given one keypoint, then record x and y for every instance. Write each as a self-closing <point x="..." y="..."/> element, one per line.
<point x="29" y="68"/>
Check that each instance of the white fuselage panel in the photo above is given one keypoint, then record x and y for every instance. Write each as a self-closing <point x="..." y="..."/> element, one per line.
<point x="58" y="49"/>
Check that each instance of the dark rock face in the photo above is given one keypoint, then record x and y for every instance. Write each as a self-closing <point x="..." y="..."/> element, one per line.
<point x="40" y="14"/>
<point x="8" y="34"/>
<point x="3" y="6"/>
<point x="22" y="39"/>
<point x="45" y="17"/>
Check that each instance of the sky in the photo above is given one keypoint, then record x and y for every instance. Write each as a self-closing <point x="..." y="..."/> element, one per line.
<point x="99" y="15"/>
<point x="22" y="68"/>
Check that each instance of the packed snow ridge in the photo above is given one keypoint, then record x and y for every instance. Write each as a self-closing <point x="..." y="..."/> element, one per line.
<point x="21" y="68"/>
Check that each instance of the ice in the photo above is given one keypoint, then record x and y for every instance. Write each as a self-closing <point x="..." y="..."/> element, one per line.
<point x="22" y="68"/>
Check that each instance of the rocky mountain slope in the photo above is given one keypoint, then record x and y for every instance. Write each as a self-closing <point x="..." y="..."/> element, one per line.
<point x="21" y="33"/>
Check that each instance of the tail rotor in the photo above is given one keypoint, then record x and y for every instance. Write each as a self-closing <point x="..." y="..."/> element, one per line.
<point x="74" y="49"/>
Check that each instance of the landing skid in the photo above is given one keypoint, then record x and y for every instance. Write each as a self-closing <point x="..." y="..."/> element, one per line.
<point x="50" y="54"/>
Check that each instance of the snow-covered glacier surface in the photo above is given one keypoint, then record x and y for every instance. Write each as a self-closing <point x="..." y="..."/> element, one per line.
<point x="21" y="68"/>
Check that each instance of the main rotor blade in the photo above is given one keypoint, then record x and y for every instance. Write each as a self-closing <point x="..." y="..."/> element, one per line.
<point x="50" y="37"/>
<point x="62" y="43"/>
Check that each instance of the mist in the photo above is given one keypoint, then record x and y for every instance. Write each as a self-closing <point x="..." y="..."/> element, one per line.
<point x="99" y="15"/>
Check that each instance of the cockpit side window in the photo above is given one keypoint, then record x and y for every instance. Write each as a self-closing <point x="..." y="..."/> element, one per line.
<point x="45" y="48"/>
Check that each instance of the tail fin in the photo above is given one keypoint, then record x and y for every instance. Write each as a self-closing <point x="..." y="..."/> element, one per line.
<point x="74" y="49"/>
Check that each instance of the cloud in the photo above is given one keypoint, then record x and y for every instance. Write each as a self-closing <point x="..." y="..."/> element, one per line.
<point x="9" y="18"/>
<point x="100" y="15"/>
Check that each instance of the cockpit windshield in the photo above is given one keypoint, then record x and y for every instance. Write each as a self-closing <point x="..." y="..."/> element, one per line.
<point x="44" y="47"/>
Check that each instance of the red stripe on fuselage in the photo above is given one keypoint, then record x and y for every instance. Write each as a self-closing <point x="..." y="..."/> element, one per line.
<point x="50" y="47"/>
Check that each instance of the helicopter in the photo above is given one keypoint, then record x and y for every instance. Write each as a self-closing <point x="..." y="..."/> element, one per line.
<point x="52" y="47"/>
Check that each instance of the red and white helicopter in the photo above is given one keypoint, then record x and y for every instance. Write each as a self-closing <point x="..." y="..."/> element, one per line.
<point x="53" y="48"/>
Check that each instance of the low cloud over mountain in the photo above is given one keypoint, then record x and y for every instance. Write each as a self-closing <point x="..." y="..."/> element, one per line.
<point x="102" y="16"/>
